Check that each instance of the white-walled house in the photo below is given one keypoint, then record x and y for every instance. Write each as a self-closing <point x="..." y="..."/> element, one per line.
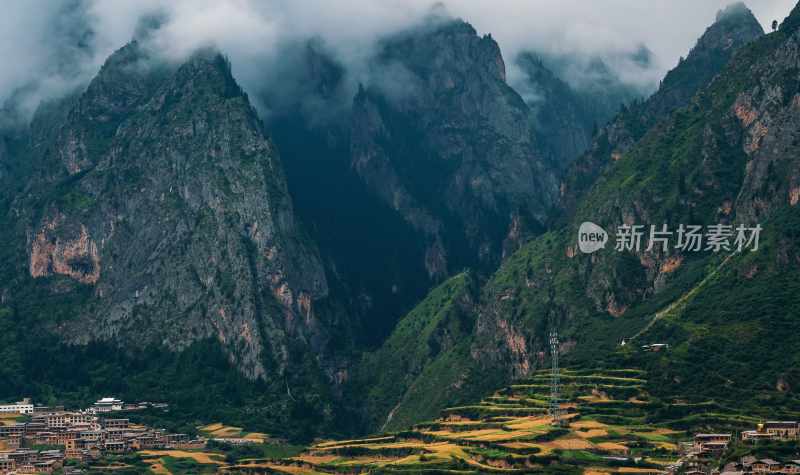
<point x="20" y="407"/>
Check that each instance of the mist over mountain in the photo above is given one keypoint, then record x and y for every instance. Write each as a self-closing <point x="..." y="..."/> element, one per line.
<point x="58" y="46"/>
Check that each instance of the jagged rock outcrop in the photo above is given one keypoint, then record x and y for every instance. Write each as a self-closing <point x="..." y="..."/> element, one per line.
<point x="162" y="193"/>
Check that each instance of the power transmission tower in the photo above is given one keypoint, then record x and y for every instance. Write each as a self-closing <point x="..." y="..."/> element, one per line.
<point x="555" y="380"/>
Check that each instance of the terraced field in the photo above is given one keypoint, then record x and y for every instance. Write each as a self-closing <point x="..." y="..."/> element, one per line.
<point x="605" y="430"/>
<point x="218" y="430"/>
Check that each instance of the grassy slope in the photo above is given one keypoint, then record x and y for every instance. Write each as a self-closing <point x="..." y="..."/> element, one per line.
<point x="426" y="343"/>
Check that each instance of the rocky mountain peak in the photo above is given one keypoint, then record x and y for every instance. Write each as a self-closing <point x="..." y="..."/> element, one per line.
<point x="734" y="10"/>
<point x="175" y="205"/>
<point x="451" y="114"/>
<point x="442" y="52"/>
<point x="734" y="28"/>
<point x="734" y="24"/>
<point x="121" y="85"/>
<point x="208" y="72"/>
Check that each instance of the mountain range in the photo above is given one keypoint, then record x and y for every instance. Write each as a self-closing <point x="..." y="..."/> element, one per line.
<point x="357" y="260"/>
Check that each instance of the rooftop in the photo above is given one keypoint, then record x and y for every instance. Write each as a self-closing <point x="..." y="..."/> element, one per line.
<point x="781" y="424"/>
<point x="108" y="399"/>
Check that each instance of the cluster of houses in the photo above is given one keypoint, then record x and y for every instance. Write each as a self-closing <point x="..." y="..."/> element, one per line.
<point x="709" y="447"/>
<point x="713" y="445"/>
<point x="77" y="435"/>
<point x="752" y="466"/>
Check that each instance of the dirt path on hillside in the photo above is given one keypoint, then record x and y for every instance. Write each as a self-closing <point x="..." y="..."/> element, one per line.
<point x="682" y="300"/>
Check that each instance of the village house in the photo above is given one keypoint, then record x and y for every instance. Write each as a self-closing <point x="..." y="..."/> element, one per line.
<point x="32" y="428"/>
<point x="7" y="465"/>
<point x="773" y="430"/>
<point x="114" y="423"/>
<point x="766" y="466"/>
<point x="791" y="467"/>
<point x="710" y="445"/>
<point x="15" y="430"/>
<point x="782" y="430"/>
<point x="21" y="456"/>
<point x="10" y="443"/>
<point x="106" y="404"/>
<point x="702" y="439"/>
<point x="20" y="407"/>
<point x="71" y="452"/>
<point x="115" y="433"/>
<point x="143" y="442"/>
<point x="751" y="465"/>
<point x="47" y="466"/>
<point x="116" y="446"/>
<point x="67" y="419"/>
<point x="25" y="469"/>
<point x="755" y="435"/>
<point x="177" y="438"/>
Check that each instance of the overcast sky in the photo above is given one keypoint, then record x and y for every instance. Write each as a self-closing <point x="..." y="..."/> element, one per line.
<point x="46" y="49"/>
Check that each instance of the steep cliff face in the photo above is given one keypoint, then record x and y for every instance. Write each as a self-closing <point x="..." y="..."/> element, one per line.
<point x="162" y="194"/>
<point x="767" y="112"/>
<point x="734" y="27"/>
<point x="448" y="144"/>
<point x="373" y="258"/>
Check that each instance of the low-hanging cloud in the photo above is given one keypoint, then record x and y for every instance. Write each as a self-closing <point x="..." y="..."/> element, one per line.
<point x="53" y="47"/>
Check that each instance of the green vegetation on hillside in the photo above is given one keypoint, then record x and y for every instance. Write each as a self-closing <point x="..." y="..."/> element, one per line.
<point x="432" y="339"/>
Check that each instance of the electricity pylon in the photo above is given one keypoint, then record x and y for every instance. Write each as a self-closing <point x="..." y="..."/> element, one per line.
<point x="555" y="380"/>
